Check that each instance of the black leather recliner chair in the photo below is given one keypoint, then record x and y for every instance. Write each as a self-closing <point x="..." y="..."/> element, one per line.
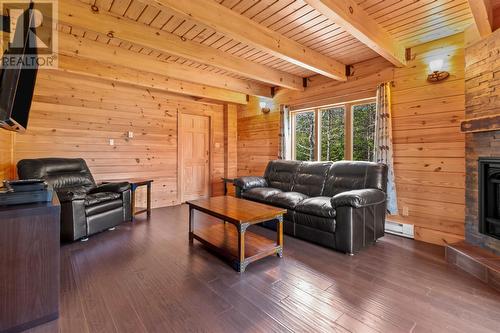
<point x="85" y="207"/>
<point x="341" y="205"/>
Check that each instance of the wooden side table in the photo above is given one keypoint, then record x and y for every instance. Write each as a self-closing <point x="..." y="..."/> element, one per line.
<point x="134" y="184"/>
<point x="226" y="181"/>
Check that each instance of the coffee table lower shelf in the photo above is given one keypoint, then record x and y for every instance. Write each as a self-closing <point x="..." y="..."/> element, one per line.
<point x="223" y="239"/>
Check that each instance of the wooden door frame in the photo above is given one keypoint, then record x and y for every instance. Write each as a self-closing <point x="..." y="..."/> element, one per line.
<point x="179" y="152"/>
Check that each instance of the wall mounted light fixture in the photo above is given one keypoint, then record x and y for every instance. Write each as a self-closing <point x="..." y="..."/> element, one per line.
<point x="437" y="74"/>
<point x="264" y="107"/>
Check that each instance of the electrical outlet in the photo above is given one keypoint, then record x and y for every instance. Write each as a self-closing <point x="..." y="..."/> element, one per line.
<point x="130" y="134"/>
<point x="406" y="211"/>
<point x="111" y="142"/>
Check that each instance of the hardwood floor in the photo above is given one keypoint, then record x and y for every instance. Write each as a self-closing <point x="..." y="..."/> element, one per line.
<point x="144" y="277"/>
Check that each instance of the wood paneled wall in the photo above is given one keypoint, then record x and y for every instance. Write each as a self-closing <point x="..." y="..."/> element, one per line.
<point x="429" y="148"/>
<point x="231" y="144"/>
<point x="76" y="116"/>
<point x="258" y="137"/>
<point x="5" y="155"/>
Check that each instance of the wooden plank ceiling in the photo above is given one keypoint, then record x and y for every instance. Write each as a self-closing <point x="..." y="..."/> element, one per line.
<point x="408" y="22"/>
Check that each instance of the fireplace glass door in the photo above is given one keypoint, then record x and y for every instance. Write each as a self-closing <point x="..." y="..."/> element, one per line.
<point x="489" y="196"/>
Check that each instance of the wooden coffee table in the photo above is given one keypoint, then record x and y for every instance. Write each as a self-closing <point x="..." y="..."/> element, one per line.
<point x="230" y="238"/>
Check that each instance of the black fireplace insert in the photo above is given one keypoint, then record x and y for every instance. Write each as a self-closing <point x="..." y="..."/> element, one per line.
<point x="489" y="196"/>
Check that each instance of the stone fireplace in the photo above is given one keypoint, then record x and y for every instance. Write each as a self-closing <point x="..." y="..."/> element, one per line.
<point x="482" y="171"/>
<point x="479" y="255"/>
<point x="482" y="128"/>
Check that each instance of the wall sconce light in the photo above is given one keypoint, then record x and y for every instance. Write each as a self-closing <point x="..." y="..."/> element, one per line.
<point x="437" y="74"/>
<point x="264" y="108"/>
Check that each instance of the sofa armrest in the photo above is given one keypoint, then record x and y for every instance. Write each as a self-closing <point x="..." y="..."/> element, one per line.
<point x="358" y="198"/>
<point x="73" y="220"/>
<point x="246" y="183"/>
<point x="71" y="195"/>
<point x="111" y="187"/>
<point x="356" y="228"/>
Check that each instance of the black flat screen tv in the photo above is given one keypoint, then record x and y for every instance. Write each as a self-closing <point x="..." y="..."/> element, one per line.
<point x="17" y="80"/>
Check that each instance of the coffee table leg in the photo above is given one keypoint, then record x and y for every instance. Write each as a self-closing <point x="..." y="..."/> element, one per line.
<point x="148" y="202"/>
<point x="191" y="224"/>
<point x="241" y="247"/>
<point x="279" y="235"/>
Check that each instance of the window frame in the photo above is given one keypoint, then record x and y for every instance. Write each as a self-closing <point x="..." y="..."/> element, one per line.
<point x="348" y="126"/>
<point x="293" y="115"/>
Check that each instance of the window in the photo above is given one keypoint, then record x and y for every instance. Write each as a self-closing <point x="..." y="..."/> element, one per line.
<point x="305" y="140"/>
<point x="363" y="131"/>
<point x="334" y="133"/>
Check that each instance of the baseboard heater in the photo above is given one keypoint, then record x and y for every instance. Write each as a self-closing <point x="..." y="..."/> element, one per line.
<point x="400" y="229"/>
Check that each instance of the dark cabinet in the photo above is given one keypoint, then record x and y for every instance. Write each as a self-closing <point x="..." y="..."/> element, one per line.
<point x="29" y="265"/>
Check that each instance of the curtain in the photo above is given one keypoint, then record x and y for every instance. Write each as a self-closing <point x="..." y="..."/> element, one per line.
<point x="285" y="131"/>
<point x="383" y="142"/>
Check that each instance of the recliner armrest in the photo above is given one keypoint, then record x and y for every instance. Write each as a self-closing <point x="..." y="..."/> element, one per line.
<point x="71" y="195"/>
<point x="359" y="198"/>
<point x="249" y="182"/>
<point x="111" y="187"/>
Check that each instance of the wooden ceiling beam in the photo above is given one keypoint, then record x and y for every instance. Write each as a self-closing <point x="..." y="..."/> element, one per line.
<point x="91" y="58"/>
<point x="352" y="18"/>
<point x="76" y="46"/>
<point x="247" y="31"/>
<point x="78" y="14"/>
<point x="482" y="11"/>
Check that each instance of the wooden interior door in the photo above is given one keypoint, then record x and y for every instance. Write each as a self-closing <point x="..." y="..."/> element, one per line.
<point x="194" y="140"/>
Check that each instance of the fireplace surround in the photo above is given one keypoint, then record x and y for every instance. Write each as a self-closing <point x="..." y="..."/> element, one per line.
<point x="479" y="254"/>
<point x="489" y="196"/>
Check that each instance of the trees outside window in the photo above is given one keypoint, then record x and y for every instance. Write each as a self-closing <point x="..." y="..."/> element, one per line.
<point x="363" y="131"/>
<point x="304" y="136"/>
<point x="334" y="133"/>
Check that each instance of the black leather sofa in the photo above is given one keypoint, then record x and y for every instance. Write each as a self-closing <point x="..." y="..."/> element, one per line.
<point x="340" y="205"/>
<point x="85" y="207"/>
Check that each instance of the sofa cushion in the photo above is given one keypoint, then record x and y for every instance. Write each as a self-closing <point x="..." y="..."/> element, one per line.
<point x="103" y="207"/>
<point x="310" y="178"/>
<point x="280" y="174"/>
<point x="318" y="206"/>
<point x="97" y="198"/>
<point x="287" y="200"/>
<point x="315" y="222"/>
<point x="260" y="194"/>
<point x="355" y="175"/>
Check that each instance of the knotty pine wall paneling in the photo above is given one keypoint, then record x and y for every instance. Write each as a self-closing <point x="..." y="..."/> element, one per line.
<point x="429" y="149"/>
<point x="231" y="144"/>
<point x="258" y="137"/>
<point x="76" y="116"/>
